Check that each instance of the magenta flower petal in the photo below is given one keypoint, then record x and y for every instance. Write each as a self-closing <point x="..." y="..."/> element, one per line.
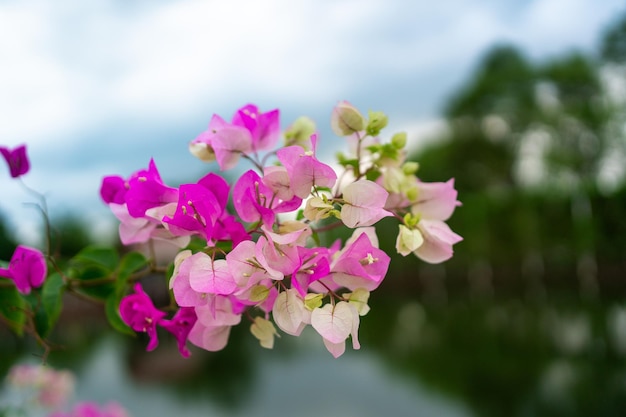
<point x="113" y="189"/>
<point x="17" y="160"/>
<point x="180" y="325"/>
<point x="264" y="127"/>
<point x="27" y="269"/>
<point x="138" y="311"/>
<point x="147" y="190"/>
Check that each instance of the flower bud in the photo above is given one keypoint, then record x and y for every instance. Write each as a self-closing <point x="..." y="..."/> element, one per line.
<point x="377" y="121"/>
<point x="346" y="119"/>
<point x="317" y="209"/>
<point x="359" y="298"/>
<point x="408" y="240"/>
<point x="259" y="293"/>
<point x="410" y="167"/>
<point x="299" y="133"/>
<point x="412" y="194"/>
<point x="313" y="301"/>
<point x="202" y="151"/>
<point x="399" y="140"/>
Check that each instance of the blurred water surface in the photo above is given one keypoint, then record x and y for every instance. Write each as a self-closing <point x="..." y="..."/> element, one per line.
<point x="419" y="357"/>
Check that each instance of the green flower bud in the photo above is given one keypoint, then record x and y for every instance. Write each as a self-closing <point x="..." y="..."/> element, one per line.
<point x="346" y="119"/>
<point x="399" y="140"/>
<point x="300" y="132"/>
<point x="410" y="167"/>
<point x="313" y="301"/>
<point x="359" y="298"/>
<point x="259" y="293"/>
<point x="408" y="240"/>
<point x="412" y="194"/>
<point x="377" y="121"/>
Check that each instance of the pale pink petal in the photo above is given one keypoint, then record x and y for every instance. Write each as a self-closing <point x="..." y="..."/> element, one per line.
<point x="288" y="312"/>
<point x="438" y="241"/>
<point x="210" y="276"/>
<point x="209" y="338"/>
<point x="277" y="180"/>
<point x="333" y="323"/>
<point x="335" y="349"/>
<point x="436" y="200"/>
<point x="364" y="202"/>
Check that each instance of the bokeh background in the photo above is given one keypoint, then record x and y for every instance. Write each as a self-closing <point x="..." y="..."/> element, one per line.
<point x="522" y="102"/>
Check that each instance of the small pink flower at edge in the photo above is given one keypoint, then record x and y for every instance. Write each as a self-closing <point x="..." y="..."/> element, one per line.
<point x="27" y="269"/>
<point x="17" y="159"/>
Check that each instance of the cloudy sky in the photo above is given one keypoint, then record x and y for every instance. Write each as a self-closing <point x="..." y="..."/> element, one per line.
<point x="99" y="87"/>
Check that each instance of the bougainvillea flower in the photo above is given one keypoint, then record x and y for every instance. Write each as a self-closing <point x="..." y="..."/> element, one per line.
<point x="222" y="141"/>
<point x="436" y="200"/>
<point x="289" y="312"/>
<point x="180" y="284"/>
<point x="360" y="265"/>
<point x="140" y="314"/>
<point x="27" y="269"/>
<point x="17" y="159"/>
<point x="212" y="328"/>
<point x="335" y="323"/>
<point x="113" y="189"/>
<point x="146" y="190"/>
<point x="244" y="267"/>
<point x="438" y="241"/>
<point x="250" y="197"/>
<point x="199" y="207"/>
<point x="305" y="170"/>
<point x="264" y="127"/>
<point x="180" y="325"/>
<point x="277" y="179"/>
<point x="314" y="265"/>
<point x="364" y="202"/>
<point x="228" y="228"/>
<point x="210" y="276"/>
<point x="408" y="240"/>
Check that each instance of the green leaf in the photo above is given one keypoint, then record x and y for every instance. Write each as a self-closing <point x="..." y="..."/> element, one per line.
<point x="52" y="299"/>
<point x="131" y="263"/>
<point x="224" y="245"/>
<point x="12" y="308"/>
<point x="100" y="291"/>
<point x="42" y="322"/>
<point x="96" y="256"/>
<point x="92" y="264"/>
<point x="316" y="238"/>
<point x="372" y="174"/>
<point x="112" y="312"/>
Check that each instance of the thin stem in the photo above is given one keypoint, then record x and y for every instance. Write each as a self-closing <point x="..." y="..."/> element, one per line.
<point x="328" y="227"/>
<point x="254" y="162"/>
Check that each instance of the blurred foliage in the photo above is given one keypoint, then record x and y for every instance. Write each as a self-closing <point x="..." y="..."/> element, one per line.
<point x="68" y="236"/>
<point x="7" y="244"/>
<point x="528" y="144"/>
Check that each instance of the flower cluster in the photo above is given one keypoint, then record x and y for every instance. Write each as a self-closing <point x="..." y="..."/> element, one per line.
<point x="48" y="387"/>
<point x="40" y="388"/>
<point x="264" y="260"/>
